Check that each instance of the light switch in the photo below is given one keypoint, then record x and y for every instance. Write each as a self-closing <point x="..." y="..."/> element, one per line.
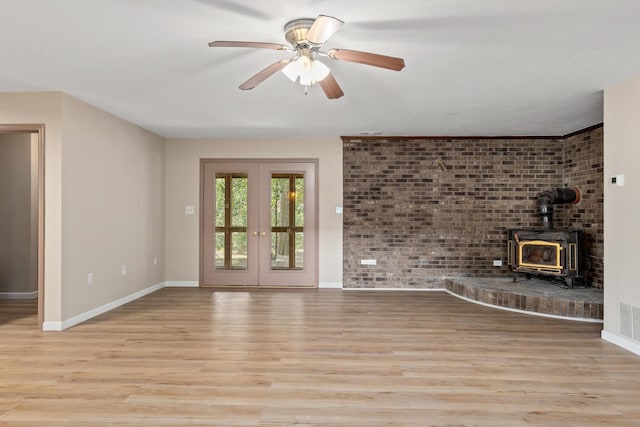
<point x="189" y="210"/>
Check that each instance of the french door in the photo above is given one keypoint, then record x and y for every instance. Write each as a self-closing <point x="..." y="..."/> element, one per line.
<point x="258" y="223"/>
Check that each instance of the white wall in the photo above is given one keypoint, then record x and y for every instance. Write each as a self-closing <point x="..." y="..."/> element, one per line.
<point x="621" y="208"/>
<point x="183" y="186"/>
<point x="112" y="208"/>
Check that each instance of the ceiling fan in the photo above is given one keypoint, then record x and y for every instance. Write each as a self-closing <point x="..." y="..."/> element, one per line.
<point x="307" y="37"/>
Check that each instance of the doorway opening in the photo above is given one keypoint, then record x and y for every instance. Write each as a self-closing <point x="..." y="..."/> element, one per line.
<point x="22" y="190"/>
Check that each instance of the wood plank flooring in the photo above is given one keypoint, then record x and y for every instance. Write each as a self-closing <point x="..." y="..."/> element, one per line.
<point x="312" y="357"/>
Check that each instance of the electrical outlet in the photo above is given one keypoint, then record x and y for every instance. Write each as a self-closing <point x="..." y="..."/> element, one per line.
<point x="497" y="263"/>
<point x="368" y="262"/>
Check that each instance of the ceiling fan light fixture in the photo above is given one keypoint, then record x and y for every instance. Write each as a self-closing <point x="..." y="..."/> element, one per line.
<point x="295" y="68"/>
<point x="306" y="71"/>
<point x="319" y="71"/>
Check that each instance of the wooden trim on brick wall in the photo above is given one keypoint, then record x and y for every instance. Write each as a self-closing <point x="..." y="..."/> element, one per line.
<point x="587" y="129"/>
<point x="458" y="138"/>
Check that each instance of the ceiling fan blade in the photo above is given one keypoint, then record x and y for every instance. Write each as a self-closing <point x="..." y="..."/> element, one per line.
<point x="258" y="45"/>
<point x="330" y="87"/>
<point x="322" y="28"/>
<point x="264" y="74"/>
<point x="374" y="59"/>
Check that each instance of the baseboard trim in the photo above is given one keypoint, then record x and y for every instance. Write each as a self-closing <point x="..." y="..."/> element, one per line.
<point x="60" y="326"/>
<point x="330" y="285"/>
<point x="182" y="284"/>
<point x="19" y="295"/>
<point x="628" y="345"/>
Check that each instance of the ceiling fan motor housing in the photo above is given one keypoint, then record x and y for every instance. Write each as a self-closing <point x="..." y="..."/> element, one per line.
<point x="295" y="32"/>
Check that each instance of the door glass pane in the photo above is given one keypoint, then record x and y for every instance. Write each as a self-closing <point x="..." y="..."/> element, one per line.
<point x="220" y="194"/>
<point x="239" y="201"/>
<point x="280" y="201"/>
<point x="299" y="201"/>
<point x="219" y="252"/>
<point x="279" y="250"/>
<point x="239" y="250"/>
<point x="299" y="247"/>
<point x="231" y="221"/>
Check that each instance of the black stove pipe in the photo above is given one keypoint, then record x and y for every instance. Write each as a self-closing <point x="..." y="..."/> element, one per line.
<point x="555" y="196"/>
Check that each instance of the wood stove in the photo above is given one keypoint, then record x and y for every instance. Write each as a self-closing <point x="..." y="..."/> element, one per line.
<point x="545" y="252"/>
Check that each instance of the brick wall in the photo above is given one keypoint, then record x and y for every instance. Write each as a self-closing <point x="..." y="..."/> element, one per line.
<point x="583" y="168"/>
<point x="430" y="208"/>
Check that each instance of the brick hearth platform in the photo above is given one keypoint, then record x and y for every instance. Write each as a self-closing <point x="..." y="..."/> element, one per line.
<point x="531" y="295"/>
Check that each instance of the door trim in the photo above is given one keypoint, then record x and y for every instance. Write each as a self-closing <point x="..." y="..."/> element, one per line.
<point x="203" y="161"/>
<point x="38" y="129"/>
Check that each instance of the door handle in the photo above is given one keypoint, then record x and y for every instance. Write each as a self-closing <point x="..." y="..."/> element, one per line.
<point x="263" y="233"/>
<point x="255" y="233"/>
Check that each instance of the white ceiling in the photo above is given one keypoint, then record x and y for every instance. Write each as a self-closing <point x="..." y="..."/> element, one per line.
<point x="473" y="67"/>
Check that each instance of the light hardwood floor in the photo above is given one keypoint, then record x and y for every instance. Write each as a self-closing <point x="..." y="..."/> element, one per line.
<point x="312" y="357"/>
